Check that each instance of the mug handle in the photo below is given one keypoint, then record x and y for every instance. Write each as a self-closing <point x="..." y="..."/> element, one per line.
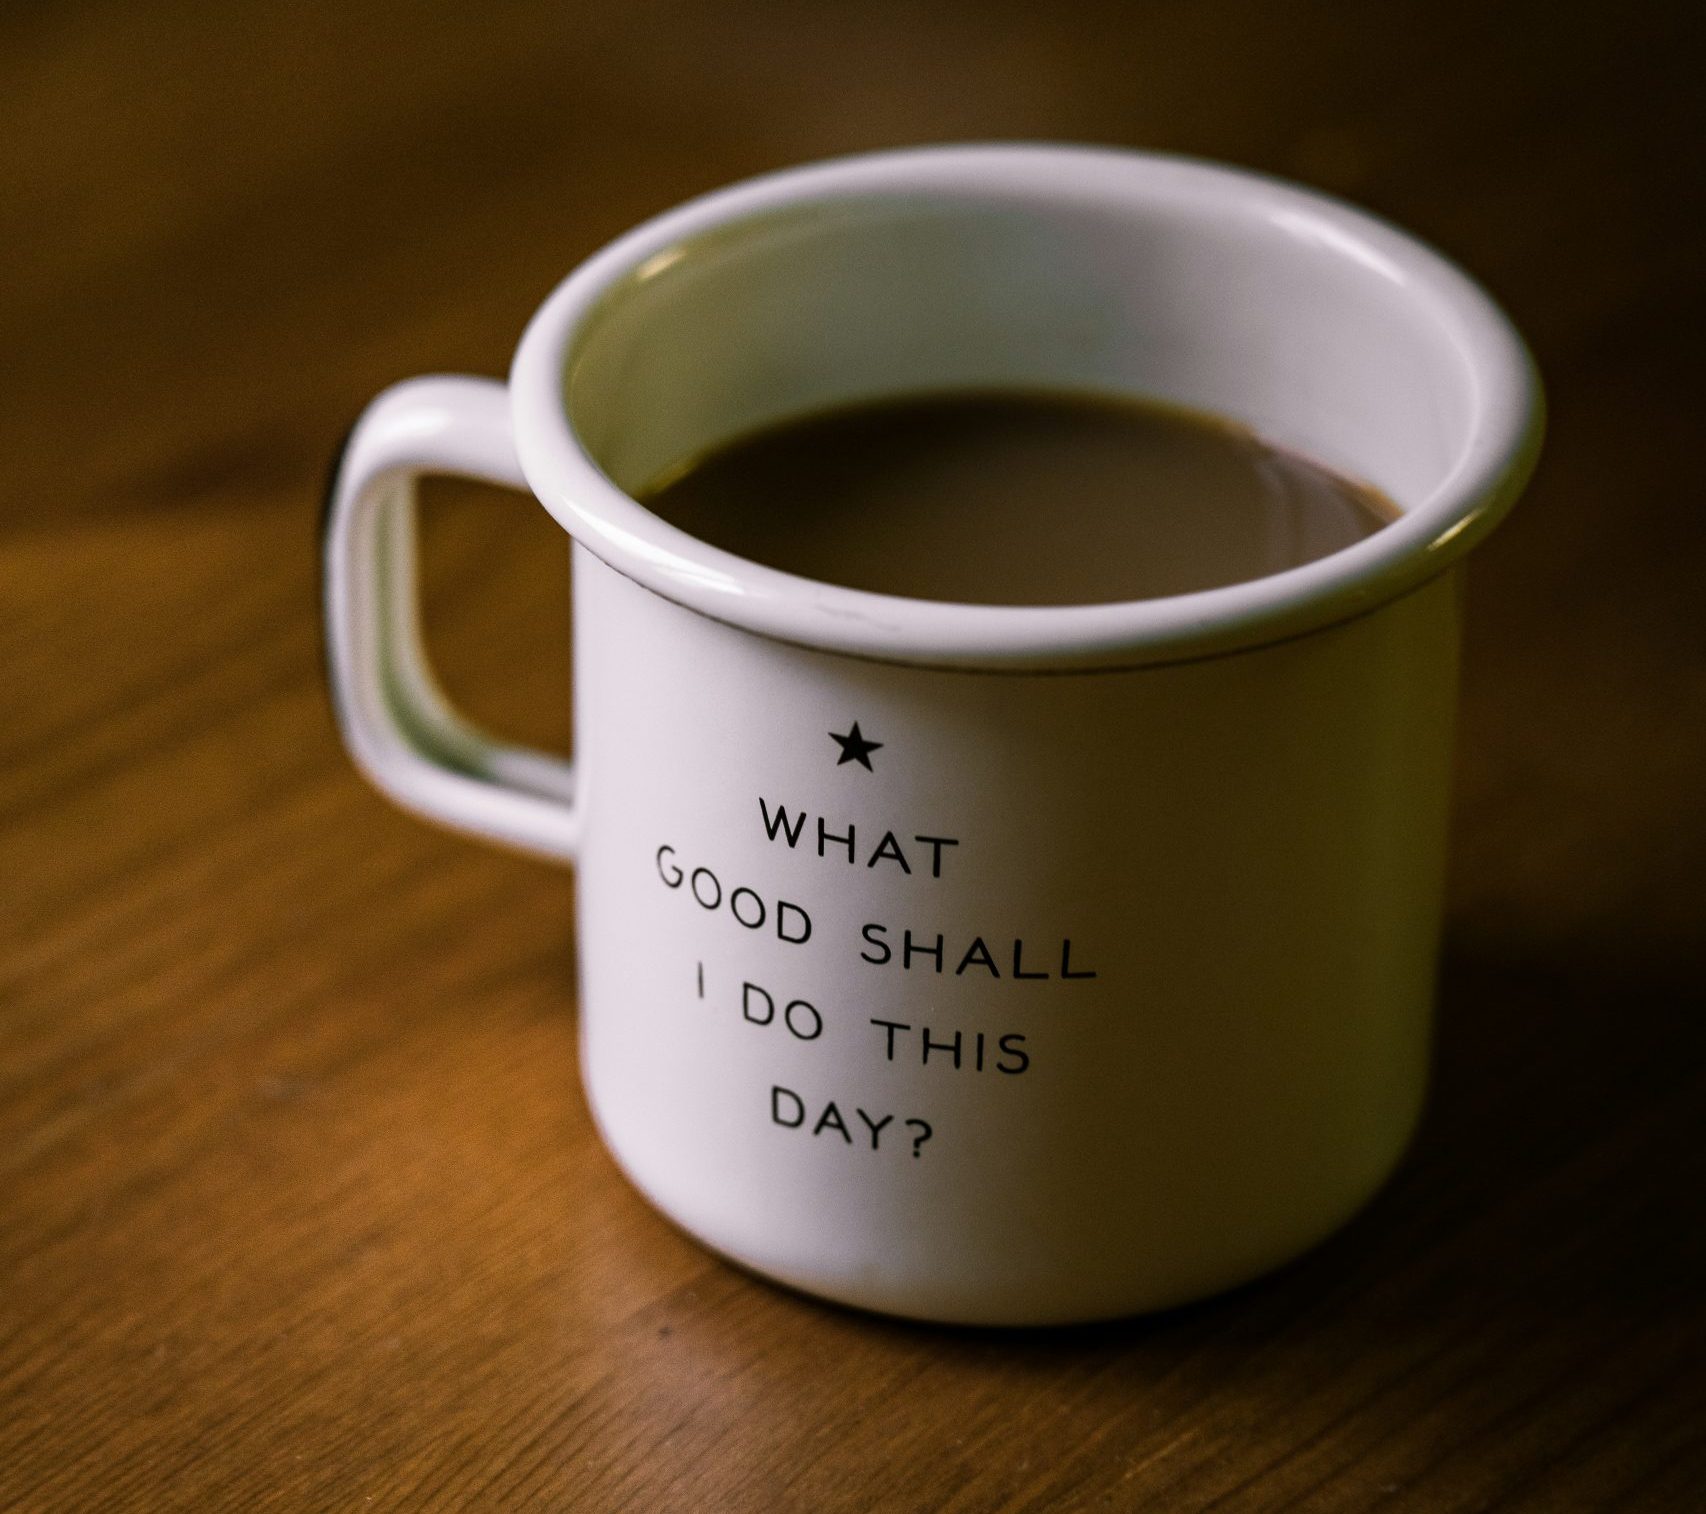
<point x="395" y="719"/>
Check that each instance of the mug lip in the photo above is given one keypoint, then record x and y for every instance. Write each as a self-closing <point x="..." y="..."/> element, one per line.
<point x="1432" y="533"/>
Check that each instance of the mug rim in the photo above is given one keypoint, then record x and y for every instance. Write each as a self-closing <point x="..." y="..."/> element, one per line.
<point x="1431" y="534"/>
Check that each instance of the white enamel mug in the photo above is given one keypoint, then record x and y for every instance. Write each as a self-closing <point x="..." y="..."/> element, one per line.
<point x="967" y="962"/>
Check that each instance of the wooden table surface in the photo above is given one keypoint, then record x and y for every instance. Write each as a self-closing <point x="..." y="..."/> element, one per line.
<point x="300" y="1207"/>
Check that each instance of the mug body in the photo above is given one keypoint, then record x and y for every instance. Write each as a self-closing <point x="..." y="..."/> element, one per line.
<point x="1080" y="994"/>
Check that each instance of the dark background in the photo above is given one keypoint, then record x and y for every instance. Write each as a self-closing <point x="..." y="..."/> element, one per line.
<point x="299" y="1206"/>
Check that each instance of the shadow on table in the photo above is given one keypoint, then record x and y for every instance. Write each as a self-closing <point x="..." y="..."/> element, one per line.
<point x="1554" y="1187"/>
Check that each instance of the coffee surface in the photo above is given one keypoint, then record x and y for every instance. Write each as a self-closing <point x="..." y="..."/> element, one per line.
<point x="1017" y="498"/>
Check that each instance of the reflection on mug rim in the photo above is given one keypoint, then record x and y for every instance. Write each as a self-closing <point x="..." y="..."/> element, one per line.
<point x="1485" y="478"/>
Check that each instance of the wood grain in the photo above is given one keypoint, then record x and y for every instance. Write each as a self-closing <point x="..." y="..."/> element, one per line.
<point x="300" y="1207"/>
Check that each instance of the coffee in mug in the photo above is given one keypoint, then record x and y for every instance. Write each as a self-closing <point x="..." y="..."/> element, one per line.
<point x="937" y="496"/>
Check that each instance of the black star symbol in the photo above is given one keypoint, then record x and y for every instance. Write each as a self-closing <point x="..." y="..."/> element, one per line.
<point x="854" y="748"/>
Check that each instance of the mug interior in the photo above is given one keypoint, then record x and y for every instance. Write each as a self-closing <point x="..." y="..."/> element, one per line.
<point x="1265" y="315"/>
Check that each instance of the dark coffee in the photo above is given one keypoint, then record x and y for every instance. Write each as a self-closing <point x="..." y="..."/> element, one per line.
<point x="1017" y="498"/>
